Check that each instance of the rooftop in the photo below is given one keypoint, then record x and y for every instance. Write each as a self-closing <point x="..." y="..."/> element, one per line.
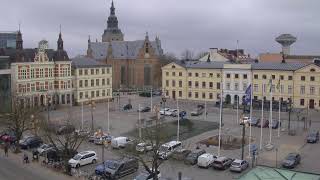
<point x="86" y="62"/>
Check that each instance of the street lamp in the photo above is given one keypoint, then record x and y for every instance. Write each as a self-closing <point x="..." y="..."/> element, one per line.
<point x="92" y="106"/>
<point x="48" y="107"/>
<point x="34" y="124"/>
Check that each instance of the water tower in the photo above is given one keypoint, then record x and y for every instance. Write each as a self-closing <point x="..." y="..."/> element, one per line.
<point x="286" y="40"/>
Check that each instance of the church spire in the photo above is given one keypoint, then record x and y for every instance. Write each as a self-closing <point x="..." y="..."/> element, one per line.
<point x="112" y="9"/>
<point x="19" y="41"/>
<point x="60" y="41"/>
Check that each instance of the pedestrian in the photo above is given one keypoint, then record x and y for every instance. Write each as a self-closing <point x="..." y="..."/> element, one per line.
<point x="6" y="148"/>
<point x="25" y="158"/>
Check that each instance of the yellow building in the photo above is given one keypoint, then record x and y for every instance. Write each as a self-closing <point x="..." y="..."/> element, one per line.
<point x="296" y="82"/>
<point x="92" y="80"/>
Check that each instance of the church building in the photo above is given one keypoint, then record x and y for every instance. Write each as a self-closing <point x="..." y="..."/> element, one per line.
<point x="135" y="64"/>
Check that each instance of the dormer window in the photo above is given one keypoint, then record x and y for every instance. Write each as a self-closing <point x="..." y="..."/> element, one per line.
<point x="173" y="67"/>
<point x="312" y="70"/>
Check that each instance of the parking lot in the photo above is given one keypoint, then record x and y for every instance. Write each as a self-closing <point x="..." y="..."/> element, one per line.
<point x="122" y="122"/>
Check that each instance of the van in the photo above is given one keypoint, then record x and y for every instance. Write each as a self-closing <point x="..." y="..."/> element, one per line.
<point x="115" y="169"/>
<point x="167" y="149"/>
<point x="120" y="142"/>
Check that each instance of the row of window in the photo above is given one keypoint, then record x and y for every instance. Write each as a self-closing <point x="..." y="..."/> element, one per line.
<point x="43" y="86"/>
<point x="195" y="95"/>
<point x="94" y="71"/>
<point x="23" y="73"/>
<point x="85" y="95"/>
<point x="281" y="88"/>
<point x="237" y="76"/>
<point x="93" y="83"/>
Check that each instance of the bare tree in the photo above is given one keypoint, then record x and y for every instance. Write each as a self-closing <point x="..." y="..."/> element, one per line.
<point x="153" y="136"/>
<point x="66" y="142"/>
<point x="21" y="118"/>
<point x="187" y="55"/>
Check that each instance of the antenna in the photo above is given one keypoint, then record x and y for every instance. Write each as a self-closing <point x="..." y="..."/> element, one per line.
<point x="19" y="25"/>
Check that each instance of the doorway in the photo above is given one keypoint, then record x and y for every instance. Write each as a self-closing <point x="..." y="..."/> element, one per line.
<point x="311" y="104"/>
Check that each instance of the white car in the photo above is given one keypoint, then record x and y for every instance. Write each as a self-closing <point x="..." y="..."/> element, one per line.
<point x="205" y="160"/>
<point x="120" y="142"/>
<point x="167" y="149"/>
<point x="83" y="158"/>
<point x="164" y="111"/>
<point x="144" y="147"/>
<point x="172" y="112"/>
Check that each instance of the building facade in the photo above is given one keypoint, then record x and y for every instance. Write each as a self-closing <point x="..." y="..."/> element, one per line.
<point x="135" y="64"/>
<point x="289" y="82"/>
<point x="92" y="80"/>
<point x="45" y="79"/>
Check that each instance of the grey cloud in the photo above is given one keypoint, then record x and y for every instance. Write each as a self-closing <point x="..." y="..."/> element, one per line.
<point x="181" y="24"/>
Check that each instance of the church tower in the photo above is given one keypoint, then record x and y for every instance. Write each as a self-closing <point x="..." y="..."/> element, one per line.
<point x="112" y="33"/>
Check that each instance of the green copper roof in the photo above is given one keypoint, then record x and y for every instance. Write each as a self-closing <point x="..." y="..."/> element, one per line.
<point x="267" y="173"/>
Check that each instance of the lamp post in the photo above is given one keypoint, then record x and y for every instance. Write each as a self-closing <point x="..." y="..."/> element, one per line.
<point x="92" y="106"/>
<point x="164" y="106"/>
<point x="48" y="107"/>
<point x="34" y="124"/>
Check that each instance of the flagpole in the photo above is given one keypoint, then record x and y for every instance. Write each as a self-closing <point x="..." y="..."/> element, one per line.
<point x="139" y="123"/>
<point x="151" y="99"/>
<point x="250" y="132"/>
<point x="262" y="120"/>
<point x="178" y="128"/>
<point x="270" y="117"/>
<point x="221" y="101"/>
<point x="279" y="121"/>
<point x="108" y="117"/>
<point x="237" y="121"/>
<point x="205" y="110"/>
<point x="82" y="116"/>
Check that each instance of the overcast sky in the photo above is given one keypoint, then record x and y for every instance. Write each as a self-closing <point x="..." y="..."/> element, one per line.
<point x="180" y="24"/>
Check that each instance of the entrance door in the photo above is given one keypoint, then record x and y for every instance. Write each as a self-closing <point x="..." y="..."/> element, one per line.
<point x="174" y="94"/>
<point x="311" y="104"/>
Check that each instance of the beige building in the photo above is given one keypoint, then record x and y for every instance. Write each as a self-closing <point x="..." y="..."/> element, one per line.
<point x="92" y="80"/>
<point x="296" y="82"/>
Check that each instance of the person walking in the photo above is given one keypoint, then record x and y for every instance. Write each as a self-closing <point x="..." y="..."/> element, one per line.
<point x="6" y="148"/>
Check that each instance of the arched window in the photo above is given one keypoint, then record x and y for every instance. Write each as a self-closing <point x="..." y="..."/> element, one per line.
<point x="312" y="70"/>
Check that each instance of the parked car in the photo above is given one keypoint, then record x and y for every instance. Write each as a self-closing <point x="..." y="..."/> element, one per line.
<point x="31" y="142"/>
<point x="167" y="149"/>
<point x="120" y="142"/>
<point x="222" y="163"/>
<point x="197" y="111"/>
<point x="291" y="161"/>
<point x="206" y="160"/>
<point x="171" y="112"/>
<point x="143" y="147"/>
<point x="144" y="109"/>
<point x="44" y="148"/>
<point x="180" y="154"/>
<point x="83" y="158"/>
<point x="164" y="111"/>
<point x="182" y="114"/>
<point x="254" y="121"/>
<point x="264" y="125"/>
<point x="157" y="93"/>
<point x="65" y="129"/>
<point x="127" y="107"/>
<point x="100" y="140"/>
<point x="274" y="124"/>
<point x="239" y="165"/>
<point x="147" y="176"/>
<point x="192" y="157"/>
<point x="115" y="169"/>
<point x="313" y="137"/>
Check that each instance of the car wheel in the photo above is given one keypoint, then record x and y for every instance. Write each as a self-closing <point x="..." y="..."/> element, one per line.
<point x="94" y="161"/>
<point x="78" y="165"/>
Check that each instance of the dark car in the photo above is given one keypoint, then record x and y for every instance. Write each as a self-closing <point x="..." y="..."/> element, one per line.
<point x="222" y="163"/>
<point x="180" y="154"/>
<point x="144" y="109"/>
<point x="254" y="121"/>
<point x="145" y="94"/>
<point x="115" y="169"/>
<point x="127" y="107"/>
<point x="265" y="123"/>
<point x="274" y="124"/>
<point x="192" y="157"/>
<point x="291" y="161"/>
<point x="31" y="142"/>
<point x="66" y="129"/>
<point x="313" y="137"/>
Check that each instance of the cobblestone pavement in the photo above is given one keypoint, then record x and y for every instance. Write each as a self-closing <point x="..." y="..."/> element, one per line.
<point x="124" y="121"/>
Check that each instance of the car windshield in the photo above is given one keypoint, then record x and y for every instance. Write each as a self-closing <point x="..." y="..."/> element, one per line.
<point x="77" y="157"/>
<point x="291" y="157"/>
<point x="111" y="165"/>
<point x="163" y="148"/>
<point x="235" y="164"/>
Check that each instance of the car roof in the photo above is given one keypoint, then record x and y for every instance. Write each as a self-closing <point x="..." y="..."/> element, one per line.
<point x="221" y="158"/>
<point x="206" y="155"/>
<point x="172" y="143"/>
<point x="121" y="137"/>
<point x="238" y="161"/>
<point x="86" y="152"/>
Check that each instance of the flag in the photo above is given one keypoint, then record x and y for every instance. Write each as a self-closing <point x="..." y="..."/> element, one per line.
<point x="247" y="98"/>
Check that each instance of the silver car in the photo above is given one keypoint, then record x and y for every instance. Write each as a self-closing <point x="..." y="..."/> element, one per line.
<point x="239" y="165"/>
